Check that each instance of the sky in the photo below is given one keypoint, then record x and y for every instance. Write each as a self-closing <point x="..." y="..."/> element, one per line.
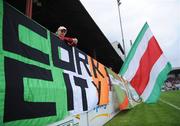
<point x="163" y="17"/>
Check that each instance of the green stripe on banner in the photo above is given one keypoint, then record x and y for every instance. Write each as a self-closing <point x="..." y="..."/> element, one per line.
<point x="133" y="49"/>
<point x="32" y="39"/>
<point x="159" y="82"/>
<point x="2" y="79"/>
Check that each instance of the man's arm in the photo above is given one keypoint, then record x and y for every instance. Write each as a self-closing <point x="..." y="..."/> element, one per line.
<point x="71" y="41"/>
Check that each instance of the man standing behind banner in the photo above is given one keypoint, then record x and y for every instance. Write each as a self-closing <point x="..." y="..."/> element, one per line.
<point x="61" y="32"/>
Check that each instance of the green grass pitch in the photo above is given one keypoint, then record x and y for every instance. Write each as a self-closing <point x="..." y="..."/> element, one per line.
<point x="159" y="114"/>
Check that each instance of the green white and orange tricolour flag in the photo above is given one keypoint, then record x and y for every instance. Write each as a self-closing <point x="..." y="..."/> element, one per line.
<point x="146" y="67"/>
<point x="120" y="89"/>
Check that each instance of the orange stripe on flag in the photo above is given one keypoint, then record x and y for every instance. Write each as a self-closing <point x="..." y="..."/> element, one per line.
<point x="124" y="104"/>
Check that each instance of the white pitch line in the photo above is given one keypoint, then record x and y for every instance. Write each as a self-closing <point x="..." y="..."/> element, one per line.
<point x="176" y="107"/>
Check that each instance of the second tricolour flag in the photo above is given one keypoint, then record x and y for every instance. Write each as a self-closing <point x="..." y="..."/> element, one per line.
<point x="146" y="67"/>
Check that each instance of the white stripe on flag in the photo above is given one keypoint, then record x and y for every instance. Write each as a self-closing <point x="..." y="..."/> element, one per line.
<point x="155" y="71"/>
<point x="134" y="63"/>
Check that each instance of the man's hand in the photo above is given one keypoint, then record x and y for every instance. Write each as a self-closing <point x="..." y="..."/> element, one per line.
<point x="75" y="41"/>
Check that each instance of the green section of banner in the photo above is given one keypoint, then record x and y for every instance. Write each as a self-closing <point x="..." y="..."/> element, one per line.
<point x="120" y="93"/>
<point x="36" y="90"/>
<point x="2" y="81"/>
<point x="33" y="39"/>
<point x="119" y="88"/>
<point x="116" y="85"/>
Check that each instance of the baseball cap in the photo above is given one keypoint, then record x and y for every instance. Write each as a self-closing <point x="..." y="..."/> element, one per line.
<point x="62" y="28"/>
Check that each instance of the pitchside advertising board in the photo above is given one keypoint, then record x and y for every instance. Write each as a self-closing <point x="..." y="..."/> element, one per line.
<point x="43" y="80"/>
<point x="96" y="117"/>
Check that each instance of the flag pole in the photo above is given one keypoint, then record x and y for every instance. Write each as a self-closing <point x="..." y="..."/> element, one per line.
<point x="120" y="22"/>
